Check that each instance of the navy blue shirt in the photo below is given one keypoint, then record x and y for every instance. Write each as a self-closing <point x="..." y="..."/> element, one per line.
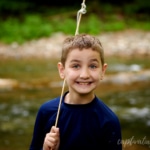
<point x="91" y="126"/>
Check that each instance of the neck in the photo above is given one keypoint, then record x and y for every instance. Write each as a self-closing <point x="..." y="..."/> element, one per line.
<point x="79" y="98"/>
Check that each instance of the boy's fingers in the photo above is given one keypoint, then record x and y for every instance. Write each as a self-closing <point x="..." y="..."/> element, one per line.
<point x="54" y="129"/>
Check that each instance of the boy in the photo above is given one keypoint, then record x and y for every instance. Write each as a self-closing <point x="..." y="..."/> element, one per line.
<point x="85" y="122"/>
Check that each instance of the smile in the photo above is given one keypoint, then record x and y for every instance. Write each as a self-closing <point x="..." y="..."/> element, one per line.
<point x="84" y="83"/>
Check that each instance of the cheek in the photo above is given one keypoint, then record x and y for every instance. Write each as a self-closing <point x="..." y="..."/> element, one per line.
<point x="70" y="74"/>
<point x="96" y="75"/>
<point x="98" y="78"/>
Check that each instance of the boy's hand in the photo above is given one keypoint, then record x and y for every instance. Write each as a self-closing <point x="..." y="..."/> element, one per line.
<point x="52" y="140"/>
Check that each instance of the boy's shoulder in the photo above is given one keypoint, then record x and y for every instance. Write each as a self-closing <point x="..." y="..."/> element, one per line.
<point x="51" y="104"/>
<point x="106" y="110"/>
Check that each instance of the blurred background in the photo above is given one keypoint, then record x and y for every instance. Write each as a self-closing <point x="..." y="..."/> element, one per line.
<point x="31" y="35"/>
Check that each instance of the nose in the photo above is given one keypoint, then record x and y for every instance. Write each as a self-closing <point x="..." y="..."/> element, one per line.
<point x="84" y="74"/>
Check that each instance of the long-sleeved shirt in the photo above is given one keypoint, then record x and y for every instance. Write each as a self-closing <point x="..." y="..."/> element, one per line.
<point x="92" y="126"/>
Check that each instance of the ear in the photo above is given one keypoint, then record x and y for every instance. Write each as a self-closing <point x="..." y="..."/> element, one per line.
<point x="103" y="71"/>
<point x="61" y="70"/>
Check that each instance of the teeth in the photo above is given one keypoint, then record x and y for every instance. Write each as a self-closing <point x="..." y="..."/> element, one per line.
<point x="81" y="83"/>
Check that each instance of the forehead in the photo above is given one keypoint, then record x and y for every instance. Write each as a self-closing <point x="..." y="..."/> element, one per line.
<point x="84" y="54"/>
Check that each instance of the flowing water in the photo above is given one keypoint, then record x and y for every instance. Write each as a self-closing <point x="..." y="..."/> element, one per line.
<point x="131" y="102"/>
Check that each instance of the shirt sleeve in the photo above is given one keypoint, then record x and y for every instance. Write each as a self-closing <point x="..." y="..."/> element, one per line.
<point x="112" y="134"/>
<point x="38" y="133"/>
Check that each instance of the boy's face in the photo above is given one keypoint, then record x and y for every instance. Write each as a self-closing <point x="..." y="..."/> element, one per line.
<point x="83" y="70"/>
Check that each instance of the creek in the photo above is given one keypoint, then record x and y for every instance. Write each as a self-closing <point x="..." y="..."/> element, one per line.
<point x="126" y="93"/>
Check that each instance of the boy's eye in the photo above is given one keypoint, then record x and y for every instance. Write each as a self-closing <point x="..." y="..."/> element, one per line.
<point x="76" y="66"/>
<point x="93" y="66"/>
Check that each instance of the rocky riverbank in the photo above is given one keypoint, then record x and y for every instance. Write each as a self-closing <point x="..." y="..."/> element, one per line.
<point x="125" y="43"/>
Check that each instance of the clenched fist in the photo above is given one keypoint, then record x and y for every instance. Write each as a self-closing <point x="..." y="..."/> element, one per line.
<point x="52" y="139"/>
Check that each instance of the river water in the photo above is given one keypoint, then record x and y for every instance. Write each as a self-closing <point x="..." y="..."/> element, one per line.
<point x="131" y="102"/>
<point x="25" y="85"/>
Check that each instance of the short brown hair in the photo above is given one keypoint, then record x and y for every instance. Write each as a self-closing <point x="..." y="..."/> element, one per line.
<point x="81" y="41"/>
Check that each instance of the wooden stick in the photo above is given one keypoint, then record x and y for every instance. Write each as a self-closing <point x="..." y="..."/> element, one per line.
<point x="58" y="112"/>
<point x="80" y="12"/>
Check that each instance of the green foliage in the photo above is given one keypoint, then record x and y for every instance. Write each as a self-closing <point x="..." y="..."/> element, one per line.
<point x="138" y="24"/>
<point x="66" y="26"/>
<point x="35" y="26"/>
<point x="32" y="27"/>
<point x="91" y="25"/>
<point x="27" y="26"/>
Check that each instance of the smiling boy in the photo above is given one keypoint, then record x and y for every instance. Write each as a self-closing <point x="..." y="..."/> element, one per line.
<point x="85" y="122"/>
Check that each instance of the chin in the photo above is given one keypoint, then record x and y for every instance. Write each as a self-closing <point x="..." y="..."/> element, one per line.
<point x="84" y="92"/>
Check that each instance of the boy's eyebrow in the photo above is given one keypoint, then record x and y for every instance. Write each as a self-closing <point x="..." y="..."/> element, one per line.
<point x="94" y="60"/>
<point x="75" y="60"/>
<point x="91" y="60"/>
